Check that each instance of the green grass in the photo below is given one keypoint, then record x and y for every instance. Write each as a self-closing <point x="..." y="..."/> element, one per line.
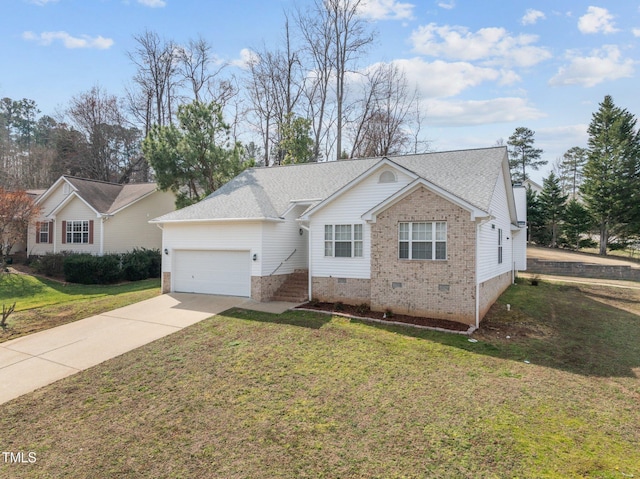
<point x="304" y="395"/>
<point x="30" y="292"/>
<point x="43" y="304"/>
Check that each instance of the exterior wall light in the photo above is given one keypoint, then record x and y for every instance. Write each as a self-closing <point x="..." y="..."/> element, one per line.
<point x="255" y="257"/>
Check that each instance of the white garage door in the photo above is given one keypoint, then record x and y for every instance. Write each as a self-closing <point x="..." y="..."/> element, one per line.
<point x="212" y="272"/>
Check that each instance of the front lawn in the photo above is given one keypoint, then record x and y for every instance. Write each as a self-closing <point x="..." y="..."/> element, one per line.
<point x="43" y="303"/>
<point x="304" y="395"/>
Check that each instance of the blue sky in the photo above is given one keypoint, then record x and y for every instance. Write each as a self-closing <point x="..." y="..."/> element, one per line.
<point x="483" y="68"/>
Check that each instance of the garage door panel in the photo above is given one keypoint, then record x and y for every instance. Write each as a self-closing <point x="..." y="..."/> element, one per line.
<point x="213" y="272"/>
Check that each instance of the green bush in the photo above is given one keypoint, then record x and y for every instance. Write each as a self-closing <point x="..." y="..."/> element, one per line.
<point x="89" y="269"/>
<point x="50" y="264"/>
<point x="141" y="264"/>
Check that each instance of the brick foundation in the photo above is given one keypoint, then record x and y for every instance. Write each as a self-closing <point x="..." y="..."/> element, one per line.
<point x="263" y="288"/>
<point x="166" y="282"/>
<point x="491" y="289"/>
<point x="346" y="290"/>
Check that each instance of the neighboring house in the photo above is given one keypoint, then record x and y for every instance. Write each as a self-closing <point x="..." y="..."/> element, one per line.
<point x="431" y="235"/>
<point x="532" y="185"/>
<point x="97" y="217"/>
<point x="21" y="246"/>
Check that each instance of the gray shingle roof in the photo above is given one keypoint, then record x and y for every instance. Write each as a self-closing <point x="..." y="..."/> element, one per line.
<point x="260" y="193"/>
<point x="106" y="197"/>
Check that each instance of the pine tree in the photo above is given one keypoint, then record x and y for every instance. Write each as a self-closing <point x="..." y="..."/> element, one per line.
<point x="577" y="221"/>
<point x="572" y="166"/>
<point x="612" y="172"/>
<point x="522" y="154"/>
<point x="552" y="202"/>
<point x="535" y="219"/>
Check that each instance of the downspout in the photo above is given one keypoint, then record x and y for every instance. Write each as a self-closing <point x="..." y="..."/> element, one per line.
<point x="309" y="276"/>
<point x="477" y="275"/>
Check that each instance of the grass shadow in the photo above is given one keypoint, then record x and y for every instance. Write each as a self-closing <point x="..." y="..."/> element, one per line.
<point x="578" y="329"/>
<point x="303" y="319"/>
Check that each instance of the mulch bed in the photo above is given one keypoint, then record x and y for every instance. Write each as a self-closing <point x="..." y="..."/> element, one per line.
<point x="356" y="311"/>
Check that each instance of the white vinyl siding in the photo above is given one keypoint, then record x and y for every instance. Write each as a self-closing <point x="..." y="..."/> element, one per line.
<point x="488" y="266"/>
<point x="348" y="210"/>
<point x="285" y="246"/>
<point x="422" y="240"/>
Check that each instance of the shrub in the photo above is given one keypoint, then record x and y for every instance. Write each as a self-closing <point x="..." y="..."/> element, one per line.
<point x="89" y="269"/>
<point x="363" y="308"/>
<point x="51" y="264"/>
<point x="587" y="243"/>
<point x="141" y="264"/>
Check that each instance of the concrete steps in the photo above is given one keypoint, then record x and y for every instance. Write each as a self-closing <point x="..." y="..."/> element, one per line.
<point x="295" y="289"/>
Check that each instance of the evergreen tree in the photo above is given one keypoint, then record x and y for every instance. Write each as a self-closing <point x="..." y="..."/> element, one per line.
<point x="612" y="172"/>
<point x="573" y="162"/>
<point x="577" y="221"/>
<point x="522" y="154"/>
<point x="535" y="219"/>
<point x="552" y="202"/>
<point x="196" y="157"/>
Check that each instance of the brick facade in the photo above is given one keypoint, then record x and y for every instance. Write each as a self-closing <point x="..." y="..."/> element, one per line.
<point x="166" y="282"/>
<point x="263" y="288"/>
<point x="491" y="289"/>
<point x="346" y="290"/>
<point x="443" y="289"/>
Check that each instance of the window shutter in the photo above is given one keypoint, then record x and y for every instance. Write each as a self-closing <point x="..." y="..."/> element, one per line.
<point x="64" y="232"/>
<point x="51" y="232"/>
<point x="90" y="231"/>
<point x="37" y="232"/>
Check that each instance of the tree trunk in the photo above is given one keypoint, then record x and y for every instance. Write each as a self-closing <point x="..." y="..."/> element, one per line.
<point x="604" y="238"/>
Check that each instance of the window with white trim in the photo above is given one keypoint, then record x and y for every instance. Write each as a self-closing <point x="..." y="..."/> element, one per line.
<point x="499" y="246"/>
<point x="423" y="240"/>
<point x="343" y="241"/>
<point x="43" y="232"/>
<point x="78" y="232"/>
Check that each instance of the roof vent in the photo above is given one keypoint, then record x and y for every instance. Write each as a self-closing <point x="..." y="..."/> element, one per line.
<point x="387" y="177"/>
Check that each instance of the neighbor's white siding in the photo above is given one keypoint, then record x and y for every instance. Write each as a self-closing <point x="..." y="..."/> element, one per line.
<point x="130" y="228"/>
<point x="283" y="240"/>
<point x="348" y="209"/>
<point x="488" y="266"/>
<point x="520" y="234"/>
<point x="212" y="236"/>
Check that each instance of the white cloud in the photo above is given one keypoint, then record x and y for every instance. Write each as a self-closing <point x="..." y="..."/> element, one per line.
<point x="41" y="2"/>
<point x="532" y="16"/>
<point x="636" y="32"/>
<point x="597" y="20"/>
<point x="602" y="65"/>
<point x="447" y="5"/>
<point x="84" y="41"/>
<point x="440" y="79"/>
<point x="247" y="57"/>
<point x="492" y="45"/>
<point x="479" y="112"/>
<point x="386" y="10"/>
<point x="153" y="3"/>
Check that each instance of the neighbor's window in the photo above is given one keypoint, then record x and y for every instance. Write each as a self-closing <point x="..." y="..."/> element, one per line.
<point x="77" y="232"/>
<point x="43" y="232"/>
<point x="499" y="246"/>
<point x="343" y="241"/>
<point x="424" y="240"/>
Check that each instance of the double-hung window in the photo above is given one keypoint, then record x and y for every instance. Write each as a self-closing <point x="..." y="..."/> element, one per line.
<point x="78" y="232"/>
<point x="422" y="240"/>
<point x="43" y="232"/>
<point x="343" y="241"/>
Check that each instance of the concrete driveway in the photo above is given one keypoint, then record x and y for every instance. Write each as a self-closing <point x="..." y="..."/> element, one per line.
<point x="33" y="361"/>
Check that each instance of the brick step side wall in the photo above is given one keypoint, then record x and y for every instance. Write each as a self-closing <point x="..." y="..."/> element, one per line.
<point x="584" y="270"/>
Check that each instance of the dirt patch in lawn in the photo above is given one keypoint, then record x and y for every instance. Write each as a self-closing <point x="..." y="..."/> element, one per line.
<point x="365" y="313"/>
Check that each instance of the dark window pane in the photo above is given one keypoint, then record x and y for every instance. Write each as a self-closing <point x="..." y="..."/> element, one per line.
<point x="421" y="250"/>
<point x="343" y="249"/>
<point x="404" y="250"/>
<point x="441" y="250"/>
